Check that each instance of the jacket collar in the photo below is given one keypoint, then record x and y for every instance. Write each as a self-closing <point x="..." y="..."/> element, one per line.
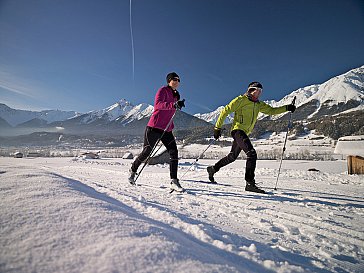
<point x="169" y="87"/>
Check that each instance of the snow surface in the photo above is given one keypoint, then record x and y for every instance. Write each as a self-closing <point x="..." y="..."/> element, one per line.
<point x="74" y="215"/>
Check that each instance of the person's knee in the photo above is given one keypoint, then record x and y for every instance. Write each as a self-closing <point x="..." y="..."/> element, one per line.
<point x="173" y="154"/>
<point x="232" y="157"/>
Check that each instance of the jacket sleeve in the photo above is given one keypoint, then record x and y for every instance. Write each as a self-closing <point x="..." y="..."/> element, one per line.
<point x="160" y="102"/>
<point x="269" y="110"/>
<point x="231" y="107"/>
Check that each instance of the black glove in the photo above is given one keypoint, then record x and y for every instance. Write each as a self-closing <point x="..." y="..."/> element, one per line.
<point x="217" y="133"/>
<point x="179" y="104"/>
<point x="291" y="108"/>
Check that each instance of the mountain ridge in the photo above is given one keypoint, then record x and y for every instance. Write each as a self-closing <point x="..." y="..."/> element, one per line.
<point x="15" y="117"/>
<point x="317" y="99"/>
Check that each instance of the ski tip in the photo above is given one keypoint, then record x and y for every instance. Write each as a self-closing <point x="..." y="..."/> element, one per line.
<point x="183" y="191"/>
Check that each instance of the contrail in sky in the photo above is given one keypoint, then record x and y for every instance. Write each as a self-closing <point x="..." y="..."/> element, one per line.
<point x="132" y="42"/>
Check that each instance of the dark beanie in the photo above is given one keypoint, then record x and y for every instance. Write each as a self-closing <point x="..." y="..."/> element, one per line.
<point x="255" y="84"/>
<point x="171" y="75"/>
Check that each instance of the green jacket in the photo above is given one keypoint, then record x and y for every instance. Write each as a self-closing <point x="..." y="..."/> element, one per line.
<point x="246" y="113"/>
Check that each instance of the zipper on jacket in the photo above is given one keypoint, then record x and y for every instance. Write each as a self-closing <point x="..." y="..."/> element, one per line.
<point x="251" y="123"/>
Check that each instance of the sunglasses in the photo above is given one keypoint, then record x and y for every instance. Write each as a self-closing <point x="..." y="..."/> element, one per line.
<point x="251" y="89"/>
<point x="176" y="79"/>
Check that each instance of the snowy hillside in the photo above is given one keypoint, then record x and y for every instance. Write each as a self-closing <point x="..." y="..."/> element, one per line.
<point x="15" y="117"/>
<point x="136" y="113"/>
<point x="63" y="215"/>
<point x="343" y="89"/>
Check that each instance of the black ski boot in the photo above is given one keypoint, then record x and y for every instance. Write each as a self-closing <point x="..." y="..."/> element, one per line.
<point x="131" y="177"/>
<point x="250" y="186"/>
<point x="211" y="171"/>
<point x="176" y="186"/>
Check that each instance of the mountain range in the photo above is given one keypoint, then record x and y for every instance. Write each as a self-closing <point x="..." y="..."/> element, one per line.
<point x="338" y="96"/>
<point x="121" y="118"/>
<point x="14" y="117"/>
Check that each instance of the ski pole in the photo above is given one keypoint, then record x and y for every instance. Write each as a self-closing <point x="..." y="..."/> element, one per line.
<point x="285" y="141"/>
<point x="155" y="146"/>
<point x="200" y="156"/>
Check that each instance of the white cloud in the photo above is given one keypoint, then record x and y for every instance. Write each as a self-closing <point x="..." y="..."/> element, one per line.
<point x="18" y="85"/>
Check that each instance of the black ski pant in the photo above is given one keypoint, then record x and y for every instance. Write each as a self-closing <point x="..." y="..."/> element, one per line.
<point x="241" y="142"/>
<point x="151" y="137"/>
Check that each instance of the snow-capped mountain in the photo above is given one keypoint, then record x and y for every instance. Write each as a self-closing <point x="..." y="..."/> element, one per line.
<point x="15" y="117"/>
<point x="214" y="115"/>
<point x="340" y="94"/>
<point x="136" y="113"/>
<point x="124" y="116"/>
<point x="123" y="112"/>
<point x="343" y="93"/>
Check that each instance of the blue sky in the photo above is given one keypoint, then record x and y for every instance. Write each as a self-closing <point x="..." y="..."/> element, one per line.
<point x="77" y="54"/>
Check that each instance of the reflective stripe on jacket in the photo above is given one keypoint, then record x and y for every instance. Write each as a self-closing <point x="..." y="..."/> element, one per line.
<point x="246" y="113"/>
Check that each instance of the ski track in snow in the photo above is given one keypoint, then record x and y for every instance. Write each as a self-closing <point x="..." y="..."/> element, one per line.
<point x="312" y="223"/>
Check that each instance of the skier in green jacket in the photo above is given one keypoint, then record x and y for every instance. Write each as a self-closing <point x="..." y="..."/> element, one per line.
<point x="246" y="109"/>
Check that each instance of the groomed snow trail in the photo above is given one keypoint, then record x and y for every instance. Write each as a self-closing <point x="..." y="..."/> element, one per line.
<point x="312" y="223"/>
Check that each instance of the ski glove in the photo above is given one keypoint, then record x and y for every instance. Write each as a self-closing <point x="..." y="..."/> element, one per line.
<point x="217" y="133"/>
<point x="179" y="104"/>
<point x="291" y="108"/>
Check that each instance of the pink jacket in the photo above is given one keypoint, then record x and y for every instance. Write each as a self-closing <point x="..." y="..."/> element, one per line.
<point x="163" y="108"/>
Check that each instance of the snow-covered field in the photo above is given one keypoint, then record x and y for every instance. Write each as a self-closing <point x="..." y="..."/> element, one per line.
<point x="74" y="215"/>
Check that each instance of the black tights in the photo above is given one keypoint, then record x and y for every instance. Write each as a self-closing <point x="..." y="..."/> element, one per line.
<point x="151" y="137"/>
<point x="241" y="142"/>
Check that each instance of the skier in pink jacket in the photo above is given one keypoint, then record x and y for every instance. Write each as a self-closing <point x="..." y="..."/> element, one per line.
<point x="167" y="101"/>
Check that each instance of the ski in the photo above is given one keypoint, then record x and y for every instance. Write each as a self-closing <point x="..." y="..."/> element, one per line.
<point x="164" y="188"/>
<point x="173" y="190"/>
<point x="202" y="181"/>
